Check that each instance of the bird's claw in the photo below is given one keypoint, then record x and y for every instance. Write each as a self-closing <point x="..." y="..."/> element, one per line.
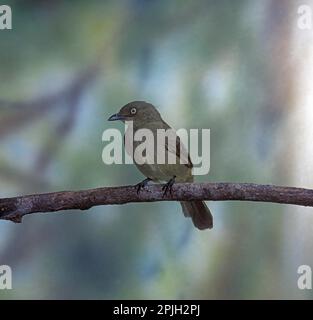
<point x="141" y="184"/>
<point x="168" y="186"/>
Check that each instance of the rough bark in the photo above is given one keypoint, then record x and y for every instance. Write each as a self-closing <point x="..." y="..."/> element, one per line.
<point x="16" y="207"/>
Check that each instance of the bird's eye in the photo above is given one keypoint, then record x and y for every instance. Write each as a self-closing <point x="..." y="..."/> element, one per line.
<point x="133" y="110"/>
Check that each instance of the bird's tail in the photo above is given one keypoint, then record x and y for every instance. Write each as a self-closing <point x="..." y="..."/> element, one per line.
<point x="199" y="213"/>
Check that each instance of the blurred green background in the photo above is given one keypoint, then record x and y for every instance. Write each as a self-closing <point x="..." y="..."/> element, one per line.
<point x="241" y="68"/>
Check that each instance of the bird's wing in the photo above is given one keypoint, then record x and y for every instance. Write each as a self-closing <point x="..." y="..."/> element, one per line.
<point x="175" y="146"/>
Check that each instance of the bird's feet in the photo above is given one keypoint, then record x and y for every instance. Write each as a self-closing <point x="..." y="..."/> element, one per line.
<point x="168" y="186"/>
<point x="142" y="184"/>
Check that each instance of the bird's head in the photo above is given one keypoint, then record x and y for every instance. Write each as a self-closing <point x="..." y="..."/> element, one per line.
<point x="137" y="111"/>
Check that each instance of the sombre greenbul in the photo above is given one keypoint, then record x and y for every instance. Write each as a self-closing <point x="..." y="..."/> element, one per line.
<point x="145" y="116"/>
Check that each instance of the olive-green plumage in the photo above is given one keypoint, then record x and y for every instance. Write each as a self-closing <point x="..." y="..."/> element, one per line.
<point x="145" y="116"/>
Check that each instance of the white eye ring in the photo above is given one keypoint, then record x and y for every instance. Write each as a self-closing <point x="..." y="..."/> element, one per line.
<point x="133" y="110"/>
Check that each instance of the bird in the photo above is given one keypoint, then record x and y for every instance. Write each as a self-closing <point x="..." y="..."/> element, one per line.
<point x="144" y="115"/>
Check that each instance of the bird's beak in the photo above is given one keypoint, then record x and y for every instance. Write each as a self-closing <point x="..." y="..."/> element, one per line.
<point x="116" y="117"/>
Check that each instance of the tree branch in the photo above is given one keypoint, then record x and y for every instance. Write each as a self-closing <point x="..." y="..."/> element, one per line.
<point x="15" y="208"/>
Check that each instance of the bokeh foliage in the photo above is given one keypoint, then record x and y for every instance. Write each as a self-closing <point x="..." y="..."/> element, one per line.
<point x="205" y="64"/>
